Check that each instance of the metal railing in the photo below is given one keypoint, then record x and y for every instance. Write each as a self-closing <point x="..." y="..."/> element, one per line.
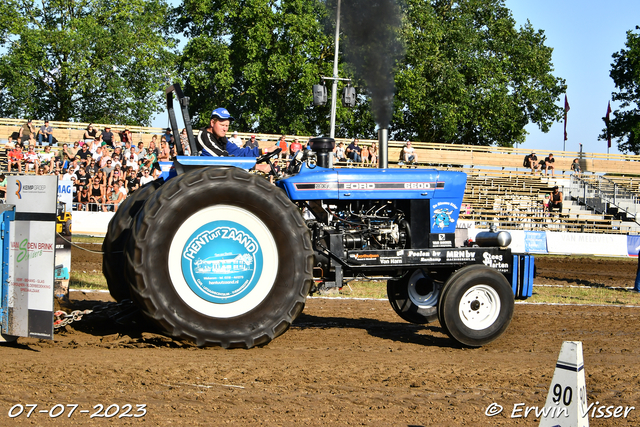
<point x="599" y="193"/>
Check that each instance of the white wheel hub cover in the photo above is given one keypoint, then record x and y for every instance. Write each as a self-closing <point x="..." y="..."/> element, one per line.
<point x="223" y="261"/>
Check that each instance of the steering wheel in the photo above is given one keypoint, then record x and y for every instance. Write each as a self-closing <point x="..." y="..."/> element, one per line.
<point x="268" y="156"/>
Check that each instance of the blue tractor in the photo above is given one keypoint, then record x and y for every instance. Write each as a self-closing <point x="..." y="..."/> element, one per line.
<point x="215" y="254"/>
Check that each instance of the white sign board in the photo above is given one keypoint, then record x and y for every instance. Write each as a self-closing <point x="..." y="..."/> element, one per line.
<point x="31" y="255"/>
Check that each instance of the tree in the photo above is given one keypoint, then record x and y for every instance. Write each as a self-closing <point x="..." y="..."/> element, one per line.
<point x="259" y="59"/>
<point x="469" y="77"/>
<point x="86" y="60"/>
<point x="625" y="72"/>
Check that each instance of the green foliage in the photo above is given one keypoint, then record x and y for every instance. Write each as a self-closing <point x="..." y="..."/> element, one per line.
<point x="469" y="77"/>
<point x="259" y="59"/>
<point x="87" y="60"/>
<point x="625" y="72"/>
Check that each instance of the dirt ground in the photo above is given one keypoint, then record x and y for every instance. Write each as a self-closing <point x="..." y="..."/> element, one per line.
<point x="343" y="362"/>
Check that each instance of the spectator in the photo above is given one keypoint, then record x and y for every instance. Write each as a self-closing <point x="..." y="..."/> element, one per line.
<point x="168" y="136"/>
<point x="3" y="186"/>
<point x="109" y="198"/>
<point x="353" y="151"/>
<point x="373" y="155"/>
<point x="15" y="158"/>
<point x="66" y="175"/>
<point x="142" y="152"/>
<point x="46" y="159"/>
<point x="46" y="131"/>
<point x="410" y="155"/>
<point x="146" y="177"/>
<point x="96" y="196"/>
<point x="533" y="162"/>
<point x="107" y="136"/>
<point x="548" y="164"/>
<point x="72" y="151"/>
<point x="74" y="188"/>
<point x="364" y="154"/>
<point x="150" y="159"/>
<point x="131" y="180"/>
<point x="107" y="169"/>
<point x="92" y="168"/>
<point x="236" y="139"/>
<point x="26" y="131"/>
<point x="340" y="154"/>
<point x="121" y="194"/>
<point x="282" y="143"/>
<point x="116" y="175"/>
<point x="251" y="143"/>
<point x="90" y="133"/>
<point x="184" y="141"/>
<point x="295" y="147"/>
<point x="82" y="199"/>
<point x="126" y="137"/>
<point x="97" y="154"/>
<point x="31" y="160"/>
<point x="82" y="179"/>
<point x="555" y="203"/>
<point x="575" y="167"/>
<point x="117" y="156"/>
<point x="165" y="152"/>
<point x="153" y="145"/>
<point x="84" y="154"/>
<point x="100" y="176"/>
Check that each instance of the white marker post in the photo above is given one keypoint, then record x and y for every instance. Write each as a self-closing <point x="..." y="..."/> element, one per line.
<point x="566" y="404"/>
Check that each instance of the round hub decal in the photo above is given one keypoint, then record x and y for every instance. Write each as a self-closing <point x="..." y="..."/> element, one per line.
<point x="222" y="261"/>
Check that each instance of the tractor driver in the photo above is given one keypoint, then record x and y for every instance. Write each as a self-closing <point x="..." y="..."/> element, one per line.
<point x="212" y="140"/>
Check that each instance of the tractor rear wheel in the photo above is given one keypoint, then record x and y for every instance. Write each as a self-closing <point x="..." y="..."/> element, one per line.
<point x="476" y="305"/>
<point x="414" y="297"/>
<point x="220" y="257"/>
<point x="115" y="240"/>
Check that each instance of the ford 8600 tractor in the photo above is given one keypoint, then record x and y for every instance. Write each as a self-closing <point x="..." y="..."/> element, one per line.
<point x="218" y="255"/>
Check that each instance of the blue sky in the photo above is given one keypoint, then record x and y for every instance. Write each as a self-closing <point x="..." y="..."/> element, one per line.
<point x="584" y="35"/>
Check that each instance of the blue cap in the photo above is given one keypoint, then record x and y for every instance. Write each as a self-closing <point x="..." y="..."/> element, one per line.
<point x="221" y="113"/>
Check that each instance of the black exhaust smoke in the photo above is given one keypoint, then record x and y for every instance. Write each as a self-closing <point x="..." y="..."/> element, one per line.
<point x="373" y="46"/>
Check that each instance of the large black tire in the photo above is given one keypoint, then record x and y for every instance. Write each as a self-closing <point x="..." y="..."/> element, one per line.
<point x="118" y="232"/>
<point x="476" y="305"/>
<point x="220" y="257"/>
<point x="414" y="297"/>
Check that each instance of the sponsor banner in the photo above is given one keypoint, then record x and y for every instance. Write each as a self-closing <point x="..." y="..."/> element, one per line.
<point x="32" y="194"/>
<point x="442" y="240"/>
<point x="222" y="262"/>
<point x="31" y="256"/>
<point x="499" y="259"/>
<point x="63" y="241"/>
<point x="586" y="244"/>
<point x="633" y="245"/>
<point x="535" y="242"/>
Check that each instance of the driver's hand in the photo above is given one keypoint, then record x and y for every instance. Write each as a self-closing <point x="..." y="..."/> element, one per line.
<point x="270" y="149"/>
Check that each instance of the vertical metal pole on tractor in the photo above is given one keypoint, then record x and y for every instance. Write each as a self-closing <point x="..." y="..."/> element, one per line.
<point x="383" y="148"/>
<point x="334" y="87"/>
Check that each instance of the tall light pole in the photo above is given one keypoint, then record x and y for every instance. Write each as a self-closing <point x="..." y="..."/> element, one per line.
<point x="334" y="87"/>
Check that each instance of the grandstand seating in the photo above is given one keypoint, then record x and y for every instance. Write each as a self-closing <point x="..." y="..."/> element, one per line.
<point x="499" y="190"/>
